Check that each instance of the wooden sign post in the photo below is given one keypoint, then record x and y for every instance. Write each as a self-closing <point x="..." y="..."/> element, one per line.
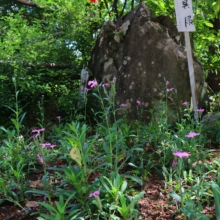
<point x="184" y="17"/>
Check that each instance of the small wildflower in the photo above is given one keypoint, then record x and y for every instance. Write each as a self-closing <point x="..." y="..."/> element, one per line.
<point x="138" y="102"/>
<point x="123" y="105"/>
<point x="45" y="145"/>
<point x="93" y="1"/>
<point x="174" y="163"/>
<point x="37" y="131"/>
<point x="41" y="160"/>
<point x="94" y="194"/>
<point x="167" y="82"/>
<point x="105" y="84"/>
<point x="114" y="79"/>
<point x="20" y="137"/>
<point x="52" y="146"/>
<point x="169" y="90"/>
<point x="200" y="110"/>
<point x="177" y="201"/>
<point x="192" y="134"/>
<point x="185" y="103"/>
<point x="181" y="154"/>
<point x="87" y="89"/>
<point x="92" y="83"/>
<point x="58" y="117"/>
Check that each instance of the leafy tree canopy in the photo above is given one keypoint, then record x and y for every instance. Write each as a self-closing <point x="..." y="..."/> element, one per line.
<point x="45" y="43"/>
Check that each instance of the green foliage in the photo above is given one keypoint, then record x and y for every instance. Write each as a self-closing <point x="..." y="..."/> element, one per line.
<point x="109" y="155"/>
<point x="113" y="146"/>
<point x="34" y="38"/>
<point x="161" y="7"/>
<point x="46" y="44"/>
<point x="216" y="191"/>
<point x="58" y="213"/>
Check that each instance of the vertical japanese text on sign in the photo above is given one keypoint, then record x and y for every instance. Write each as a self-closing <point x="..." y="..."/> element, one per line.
<point x="184" y="15"/>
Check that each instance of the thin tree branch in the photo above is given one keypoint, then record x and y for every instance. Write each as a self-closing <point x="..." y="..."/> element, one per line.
<point x="132" y="4"/>
<point x="106" y="5"/>
<point x="115" y="8"/>
<point x="122" y="11"/>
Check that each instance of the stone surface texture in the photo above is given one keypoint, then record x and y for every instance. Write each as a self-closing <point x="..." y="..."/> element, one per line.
<point x="143" y="52"/>
<point x="211" y="119"/>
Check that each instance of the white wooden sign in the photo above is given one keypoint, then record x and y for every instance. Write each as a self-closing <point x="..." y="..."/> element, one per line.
<point x="184" y="15"/>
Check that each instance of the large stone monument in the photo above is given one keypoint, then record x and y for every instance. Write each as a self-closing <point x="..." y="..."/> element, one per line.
<point x="143" y="52"/>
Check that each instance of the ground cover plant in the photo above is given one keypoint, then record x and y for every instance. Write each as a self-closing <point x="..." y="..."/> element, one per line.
<point x="45" y="45"/>
<point x="61" y="162"/>
<point x="76" y="171"/>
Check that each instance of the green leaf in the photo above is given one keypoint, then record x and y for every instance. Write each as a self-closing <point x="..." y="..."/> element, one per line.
<point x="47" y="216"/>
<point x="58" y="217"/>
<point x="138" y="197"/>
<point x="133" y="165"/>
<point x="216" y="192"/>
<point x="61" y="202"/>
<point x="44" y="181"/>
<point x="123" y="186"/>
<point x="74" y="214"/>
<point x="22" y="118"/>
<point x="97" y="96"/>
<point x="134" y="178"/>
<point x="208" y="24"/>
<point x="16" y="124"/>
<point x="39" y="218"/>
<point x="104" y="183"/>
<point x="75" y="155"/>
<point x="11" y="109"/>
<point x="175" y="196"/>
<point x="37" y="192"/>
<point x="5" y="130"/>
<point x="48" y="206"/>
<point x="60" y="208"/>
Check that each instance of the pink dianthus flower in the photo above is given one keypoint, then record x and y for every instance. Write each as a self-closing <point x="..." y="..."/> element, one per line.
<point x="192" y="134"/>
<point x="138" y="102"/>
<point x="181" y="154"/>
<point x="94" y="194"/>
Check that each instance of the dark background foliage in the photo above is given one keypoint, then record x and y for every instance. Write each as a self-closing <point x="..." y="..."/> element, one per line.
<point x="44" y="45"/>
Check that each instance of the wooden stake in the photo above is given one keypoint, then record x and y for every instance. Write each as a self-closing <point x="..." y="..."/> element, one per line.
<point x="191" y="75"/>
